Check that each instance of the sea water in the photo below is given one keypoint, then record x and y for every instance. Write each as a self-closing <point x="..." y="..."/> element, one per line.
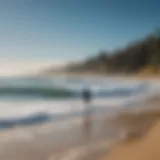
<point x="30" y="100"/>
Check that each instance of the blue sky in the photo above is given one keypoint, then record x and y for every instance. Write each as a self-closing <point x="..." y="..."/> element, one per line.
<point x="49" y="30"/>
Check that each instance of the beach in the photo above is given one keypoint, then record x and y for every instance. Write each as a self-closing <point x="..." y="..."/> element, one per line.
<point x="42" y="118"/>
<point x="79" y="80"/>
<point x="70" y="140"/>
<point x="139" y="138"/>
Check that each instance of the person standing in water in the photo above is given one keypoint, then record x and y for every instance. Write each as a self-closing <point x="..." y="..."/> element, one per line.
<point x="87" y="97"/>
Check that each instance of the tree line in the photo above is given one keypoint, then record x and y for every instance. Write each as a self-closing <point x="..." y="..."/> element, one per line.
<point x="141" y="56"/>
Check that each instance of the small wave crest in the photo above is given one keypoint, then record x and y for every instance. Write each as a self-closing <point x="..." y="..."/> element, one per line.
<point x="29" y="120"/>
<point x="55" y="93"/>
<point x="36" y="92"/>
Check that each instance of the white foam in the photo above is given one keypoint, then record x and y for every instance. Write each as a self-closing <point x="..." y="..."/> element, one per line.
<point x="13" y="109"/>
<point x="22" y="108"/>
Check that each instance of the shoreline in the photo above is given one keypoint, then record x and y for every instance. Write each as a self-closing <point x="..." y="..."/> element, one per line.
<point x="63" y="140"/>
<point x="51" y="140"/>
<point x="151" y="77"/>
<point x="137" y="126"/>
<point x="70" y="138"/>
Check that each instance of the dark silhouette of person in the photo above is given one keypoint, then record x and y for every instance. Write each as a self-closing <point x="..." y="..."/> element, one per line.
<point x="87" y="97"/>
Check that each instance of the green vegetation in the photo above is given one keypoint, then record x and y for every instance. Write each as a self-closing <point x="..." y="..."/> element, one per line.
<point x="140" y="57"/>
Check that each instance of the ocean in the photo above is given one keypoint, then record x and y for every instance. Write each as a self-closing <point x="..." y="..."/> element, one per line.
<point x="30" y="100"/>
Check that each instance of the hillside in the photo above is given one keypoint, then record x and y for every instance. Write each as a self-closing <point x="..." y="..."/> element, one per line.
<point x="142" y="56"/>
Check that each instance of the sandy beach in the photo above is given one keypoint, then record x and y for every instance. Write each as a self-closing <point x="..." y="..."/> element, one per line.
<point x="107" y="137"/>
<point x="139" y="138"/>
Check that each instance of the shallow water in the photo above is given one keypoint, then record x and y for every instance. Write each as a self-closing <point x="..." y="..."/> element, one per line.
<point x="32" y="100"/>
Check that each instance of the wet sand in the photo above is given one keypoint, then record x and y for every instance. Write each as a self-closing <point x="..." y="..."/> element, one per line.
<point x="55" y="140"/>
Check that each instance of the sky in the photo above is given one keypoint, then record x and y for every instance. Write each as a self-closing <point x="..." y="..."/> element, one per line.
<point x="65" y="30"/>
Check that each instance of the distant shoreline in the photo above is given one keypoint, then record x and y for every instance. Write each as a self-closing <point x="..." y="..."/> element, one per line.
<point x="119" y="76"/>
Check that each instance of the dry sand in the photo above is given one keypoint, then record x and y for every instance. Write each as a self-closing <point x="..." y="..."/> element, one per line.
<point x="141" y="134"/>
